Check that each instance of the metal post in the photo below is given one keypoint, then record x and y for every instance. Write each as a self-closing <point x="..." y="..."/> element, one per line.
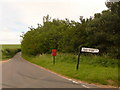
<point x="78" y="59"/>
<point x="53" y="59"/>
<point x="78" y="62"/>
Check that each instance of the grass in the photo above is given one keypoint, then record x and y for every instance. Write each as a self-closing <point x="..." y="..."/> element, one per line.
<point x="10" y="46"/>
<point x="9" y="50"/>
<point x="88" y="71"/>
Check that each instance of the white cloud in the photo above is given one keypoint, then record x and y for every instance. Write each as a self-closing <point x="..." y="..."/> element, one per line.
<point x="8" y="37"/>
<point x="18" y="15"/>
<point x="33" y="12"/>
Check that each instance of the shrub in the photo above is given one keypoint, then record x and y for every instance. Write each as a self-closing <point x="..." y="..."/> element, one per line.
<point x="8" y="53"/>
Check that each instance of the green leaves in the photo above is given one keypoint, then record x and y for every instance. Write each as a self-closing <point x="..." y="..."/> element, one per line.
<point x="100" y="32"/>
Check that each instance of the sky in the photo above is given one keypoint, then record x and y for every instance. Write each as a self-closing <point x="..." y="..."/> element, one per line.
<point x="17" y="15"/>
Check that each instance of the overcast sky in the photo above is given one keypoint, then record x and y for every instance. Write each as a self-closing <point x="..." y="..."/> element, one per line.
<point x="17" y="15"/>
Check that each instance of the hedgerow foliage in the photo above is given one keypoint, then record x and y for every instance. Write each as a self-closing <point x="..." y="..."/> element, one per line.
<point x="9" y="53"/>
<point x="102" y="32"/>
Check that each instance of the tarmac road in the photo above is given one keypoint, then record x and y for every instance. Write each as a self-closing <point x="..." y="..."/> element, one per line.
<point x="19" y="73"/>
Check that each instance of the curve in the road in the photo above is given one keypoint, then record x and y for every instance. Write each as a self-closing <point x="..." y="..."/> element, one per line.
<point x="19" y="73"/>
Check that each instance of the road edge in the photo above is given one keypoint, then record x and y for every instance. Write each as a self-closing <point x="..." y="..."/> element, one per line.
<point x="72" y="79"/>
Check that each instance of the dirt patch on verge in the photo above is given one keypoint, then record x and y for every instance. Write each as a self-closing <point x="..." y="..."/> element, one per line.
<point x="4" y="61"/>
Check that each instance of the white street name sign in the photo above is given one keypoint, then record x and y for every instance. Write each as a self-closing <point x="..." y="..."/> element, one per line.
<point x="92" y="50"/>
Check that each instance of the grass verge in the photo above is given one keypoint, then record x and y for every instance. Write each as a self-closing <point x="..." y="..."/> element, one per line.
<point x="93" y="69"/>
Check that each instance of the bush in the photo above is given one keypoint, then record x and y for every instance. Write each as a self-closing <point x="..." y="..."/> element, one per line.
<point x="8" y="53"/>
<point x="66" y="35"/>
<point x="103" y="60"/>
<point x="95" y="60"/>
<point x="65" y="57"/>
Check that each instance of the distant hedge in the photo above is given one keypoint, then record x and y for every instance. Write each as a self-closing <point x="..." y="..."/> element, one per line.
<point x="9" y="53"/>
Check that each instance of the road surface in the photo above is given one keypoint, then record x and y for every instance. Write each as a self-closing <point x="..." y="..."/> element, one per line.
<point x="19" y="73"/>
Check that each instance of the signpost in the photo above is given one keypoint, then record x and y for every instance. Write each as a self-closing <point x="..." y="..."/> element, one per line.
<point x="91" y="50"/>
<point x="54" y="54"/>
<point x="87" y="50"/>
<point x="78" y="59"/>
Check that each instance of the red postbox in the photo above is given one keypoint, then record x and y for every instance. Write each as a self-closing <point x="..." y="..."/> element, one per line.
<point x="54" y="52"/>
